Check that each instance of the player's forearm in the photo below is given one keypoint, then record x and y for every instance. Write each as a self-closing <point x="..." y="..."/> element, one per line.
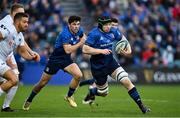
<point x="75" y="47"/>
<point x="91" y="51"/>
<point x="24" y="53"/>
<point x="28" y="48"/>
<point x="71" y="48"/>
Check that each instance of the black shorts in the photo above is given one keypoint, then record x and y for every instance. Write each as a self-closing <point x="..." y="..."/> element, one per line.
<point x="58" y="60"/>
<point x="100" y="75"/>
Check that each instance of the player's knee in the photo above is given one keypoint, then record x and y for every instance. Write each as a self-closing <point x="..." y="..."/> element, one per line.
<point x="14" y="81"/>
<point x="121" y="74"/>
<point x="78" y="76"/>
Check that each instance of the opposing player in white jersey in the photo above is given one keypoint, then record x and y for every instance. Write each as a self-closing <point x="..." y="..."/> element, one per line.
<point x="6" y="24"/>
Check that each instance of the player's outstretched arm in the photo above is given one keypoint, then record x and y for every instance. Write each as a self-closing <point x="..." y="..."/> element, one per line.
<point x="22" y="50"/>
<point x="72" y="48"/>
<point x="31" y="52"/>
<point x="93" y="51"/>
<point x="27" y="47"/>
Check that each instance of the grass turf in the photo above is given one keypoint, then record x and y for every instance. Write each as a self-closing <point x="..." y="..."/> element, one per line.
<point x="164" y="101"/>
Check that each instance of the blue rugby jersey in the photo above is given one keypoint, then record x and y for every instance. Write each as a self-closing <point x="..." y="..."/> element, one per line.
<point x="66" y="37"/>
<point x="101" y="40"/>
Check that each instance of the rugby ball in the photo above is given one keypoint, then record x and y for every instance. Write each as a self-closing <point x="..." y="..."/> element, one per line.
<point x="121" y="45"/>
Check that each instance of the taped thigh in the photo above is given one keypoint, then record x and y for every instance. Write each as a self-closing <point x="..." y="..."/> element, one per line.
<point x="121" y="74"/>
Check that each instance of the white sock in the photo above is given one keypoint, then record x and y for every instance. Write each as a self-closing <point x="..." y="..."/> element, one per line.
<point x="9" y="96"/>
<point x="1" y="91"/>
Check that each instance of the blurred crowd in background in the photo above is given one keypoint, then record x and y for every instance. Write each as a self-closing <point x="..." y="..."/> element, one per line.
<point x="151" y="26"/>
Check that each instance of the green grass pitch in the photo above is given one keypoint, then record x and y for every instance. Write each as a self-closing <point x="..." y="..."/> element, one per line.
<point x="164" y="101"/>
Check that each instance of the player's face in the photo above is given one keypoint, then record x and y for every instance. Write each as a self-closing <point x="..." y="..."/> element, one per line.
<point x="107" y="27"/>
<point x="114" y="25"/>
<point x="23" y="24"/>
<point x="74" y="26"/>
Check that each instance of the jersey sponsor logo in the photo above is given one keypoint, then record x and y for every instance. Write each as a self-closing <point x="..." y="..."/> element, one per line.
<point x="106" y="45"/>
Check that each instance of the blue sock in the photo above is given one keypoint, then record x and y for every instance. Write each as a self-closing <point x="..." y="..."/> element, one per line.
<point x="86" y="82"/>
<point x="135" y="96"/>
<point x="31" y="97"/>
<point x="70" y="92"/>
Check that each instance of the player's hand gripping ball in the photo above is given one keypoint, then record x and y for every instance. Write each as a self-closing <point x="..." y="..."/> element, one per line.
<point x="120" y="46"/>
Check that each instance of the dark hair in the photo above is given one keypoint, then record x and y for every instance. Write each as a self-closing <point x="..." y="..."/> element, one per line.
<point x="73" y="18"/>
<point x="16" y="6"/>
<point x="114" y="20"/>
<point x="20" y="15"/>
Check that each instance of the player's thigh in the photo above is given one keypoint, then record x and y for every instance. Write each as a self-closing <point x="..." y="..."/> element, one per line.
<point x="120" y="75"/>
<point x="100" y="76"/>
<point x="9" y="75"/>
<point x="3" y="68"/>
<point x="74" y="70"/>
<point x="51" y="67"/>
<point x="11" y="62"/>
<point x="101" y="80"/>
